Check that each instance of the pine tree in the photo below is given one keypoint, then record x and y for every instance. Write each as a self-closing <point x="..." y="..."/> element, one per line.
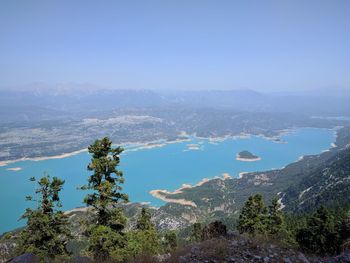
<point x="144" y="221"/>
<point x="105" y="180"/>
<point x="105" y="235"/>
<point x="320" y="234"/>
<point x="345" y="232"/>
<point x="169" y="241"/>
<point x="106" y="243"/>
<point x="276" y="222"/>
<point x="47" y="232"/>
<point x="196" y="232"/>
<point x="253" y="216"/>
<point x="145" y="239"/>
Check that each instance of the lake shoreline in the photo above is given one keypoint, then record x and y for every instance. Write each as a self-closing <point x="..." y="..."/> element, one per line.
<point x="137" y="145"/>
<point x="154" y="144"/>
<point x="160" y="193"/>
<point x="241" y="159"/>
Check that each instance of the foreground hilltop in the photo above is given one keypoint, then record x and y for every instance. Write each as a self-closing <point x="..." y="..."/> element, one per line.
<point x="241" y="249"/>
<point x="222" y="247"/>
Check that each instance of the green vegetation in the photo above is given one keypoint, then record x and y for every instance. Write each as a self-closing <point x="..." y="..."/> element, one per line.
<point x="105" y="243"/>
<point x="253" y="218"/>
<point x="144" y="221"/>
<point x="105" y="180"/>
<point x="47" y="232"/>
<point x="196" y="233"/>
<point x="106" y="237"/>
<point x="144" y="240"/>
<point x="322" y="232"/>
<point x="275" y="220"/>
<point x="169" y="241"/>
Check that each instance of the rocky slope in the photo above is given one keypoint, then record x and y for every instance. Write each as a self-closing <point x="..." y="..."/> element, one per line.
<point x="301" y="186"/>
<point x="240" y="249"/>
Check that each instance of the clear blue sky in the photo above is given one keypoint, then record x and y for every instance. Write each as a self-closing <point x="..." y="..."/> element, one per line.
<point x="263" y="45"/>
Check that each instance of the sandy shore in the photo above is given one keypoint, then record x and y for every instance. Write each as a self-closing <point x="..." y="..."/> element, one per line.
<point x="160" y="194"/>
<point x="247" y="159"/>
<point x="240" y="175"/>
<point x="216" y="140"/>
<point x="15" y="169"/>
<point x="36" y="159"/>
<point x="226" y="176"/>
<point x="193" y="147"/>
<point x="136" y="146"/>
<point x="152" y="144"/>
<point x="144" y="147"/>
<point x="277" y="138"/>
<point x="300" y="158"/>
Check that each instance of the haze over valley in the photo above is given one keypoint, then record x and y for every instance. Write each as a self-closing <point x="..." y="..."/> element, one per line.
<point x="46" y="121"/>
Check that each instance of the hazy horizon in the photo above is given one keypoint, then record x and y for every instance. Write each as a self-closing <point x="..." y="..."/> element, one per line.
<point x="74" y="86"/>
<point x="177" y="45"/>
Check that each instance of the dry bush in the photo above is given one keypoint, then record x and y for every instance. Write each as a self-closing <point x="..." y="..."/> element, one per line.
<point x="260" y="240"/>
<point x="144" y="258"/>
<point x="346" y="245"/>
<point x="177" y="253"/>
<point x="215" y="229"/>
<point x="214" y="249"/>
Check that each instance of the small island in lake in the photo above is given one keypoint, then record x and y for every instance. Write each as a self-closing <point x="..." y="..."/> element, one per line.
<point x="247" y="156"/>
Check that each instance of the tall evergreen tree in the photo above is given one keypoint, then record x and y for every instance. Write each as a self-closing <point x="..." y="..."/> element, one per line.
<point x="106" y="244"/>
<point x="275" y="222"/>
<point x="345" y="232"/>
<point x="169" y="241"/>
<point x="196" y="232"/>
<point x="253" y="216"/>
<point x="47" y="232"/>
<point x="105" y="235"/>
<point x="320" y="234"/>
<point x="145" y="239"/>
<point x="106" y="179"/>
<point x="144" y="221"/>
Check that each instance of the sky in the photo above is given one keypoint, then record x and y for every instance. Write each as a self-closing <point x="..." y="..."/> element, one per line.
<point x="179" y="44"/>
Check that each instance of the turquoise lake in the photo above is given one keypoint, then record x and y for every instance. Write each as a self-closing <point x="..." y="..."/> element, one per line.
<point x="166" y="167"/>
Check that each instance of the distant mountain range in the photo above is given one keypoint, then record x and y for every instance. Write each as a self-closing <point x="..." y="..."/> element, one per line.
<point x="77" y="100"/>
